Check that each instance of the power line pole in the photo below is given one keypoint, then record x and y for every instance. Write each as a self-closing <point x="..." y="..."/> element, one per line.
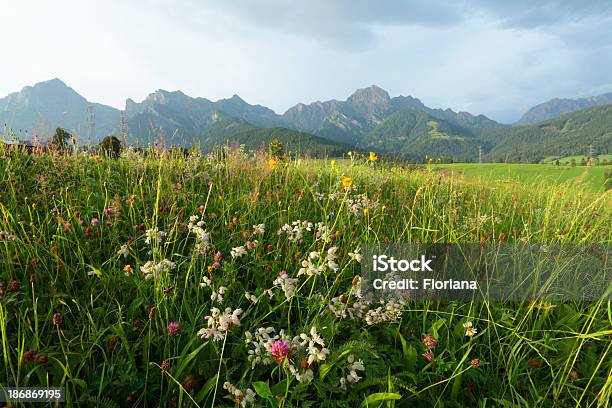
<point x="91" y="123"/>
<point x="480" y="154"/>
<point x="123" y="131"/>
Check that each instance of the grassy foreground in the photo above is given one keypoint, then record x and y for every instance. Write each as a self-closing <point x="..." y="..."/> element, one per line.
<point x="579" y="178"/>
<point x="225" y="279"/>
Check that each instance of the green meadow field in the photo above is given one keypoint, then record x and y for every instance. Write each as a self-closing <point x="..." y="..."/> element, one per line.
<point x="578" y="178"/>
<point x="233" y="279"/>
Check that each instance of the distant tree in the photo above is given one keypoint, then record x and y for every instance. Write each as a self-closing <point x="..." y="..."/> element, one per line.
<point x="60" y="138"/>
<point x="111" y="146"/>
<point x="276" y="149"/>
<point x="573" y="162"/>
<point x="556" y="162"/>
<point x="583" y="162"/>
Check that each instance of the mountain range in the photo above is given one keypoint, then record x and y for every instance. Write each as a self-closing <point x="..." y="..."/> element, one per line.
<point x="369" y="119"/>
<point x="557" y="107"/>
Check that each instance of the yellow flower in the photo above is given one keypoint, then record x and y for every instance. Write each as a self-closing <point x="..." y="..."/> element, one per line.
<point x="347" y="181"/>
<point x="33" y="206"/>
<point x="210" y="269"/>
<point x="272" y="164"/>
<point x="127" y="269"/>
<point x="350" y="154"/>
<point x="140" y="181"/>
<point x="373" y="157"/>
<point x="333" y="163"/>
<point x="365" y="212"/>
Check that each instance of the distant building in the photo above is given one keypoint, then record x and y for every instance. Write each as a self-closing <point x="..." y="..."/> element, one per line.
<point x="25" y="145"/>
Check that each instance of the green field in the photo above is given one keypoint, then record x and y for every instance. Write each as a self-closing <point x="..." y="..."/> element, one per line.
<point x="232" y="279"/>
<point x="530" y="175"/>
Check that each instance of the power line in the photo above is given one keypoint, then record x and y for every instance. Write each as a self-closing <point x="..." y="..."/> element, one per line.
<point x="123" y="130"/>
<point x="91" y="123"/>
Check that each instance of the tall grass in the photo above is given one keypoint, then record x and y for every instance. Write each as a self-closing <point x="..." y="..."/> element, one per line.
<point x="76" y="313"/>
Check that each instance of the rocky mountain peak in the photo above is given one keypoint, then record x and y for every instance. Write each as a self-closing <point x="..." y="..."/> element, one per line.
<point x="370" y="100"/>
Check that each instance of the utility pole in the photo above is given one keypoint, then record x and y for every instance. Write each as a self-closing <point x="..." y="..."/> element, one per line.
<point x="480" y="154"/>
<point x="91" y="123"/>
<point x="123" y="131"/>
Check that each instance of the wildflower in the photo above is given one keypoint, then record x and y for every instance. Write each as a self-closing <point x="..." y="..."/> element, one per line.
<point x="428" y="356"/>
<point x="389" y="311"/>
<point x="259" y="229"/>
<point x="28" y="356"/>
<point x="430" y="342"/>
<point x="14" y="286"/>
<point x="165" y="365"/>
<point x="240" y="397"/>
<point x="218" y="295"/>
<point x="57" y="319"/>
<point x="141" y="181"/>
<point x="238" y="252"/>
<point x="353" y="367"/>
<point x="205" y="281"/>
<point x="279" y="350"/>
<point x="123" y="251"/>
<point x="312" y="343"/>
<point x="6" y="236"/>
<point x="220" y="323"/>
<point x="154" y="234"/>
<point x="286" y="283"/>
<point x="127" y="269"/>
<point x="356" y="256"/>
<point x="153" y="270"/>
<point x="250" y="297"/>
<point x="475" y="362"/>
<point x="95" y="222"/>
<point x="272" y="164"/>
<point x="347" y="182"/>
<point x="373" y="157"/>
<point x="470" y="330"/>
<point x="173" y="329"/>
<point x="573" y="375"/>
<point x="333" y="163"/>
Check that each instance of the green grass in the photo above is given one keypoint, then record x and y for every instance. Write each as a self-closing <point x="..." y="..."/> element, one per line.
<point x="579" y="178"/>
<point x="77" y="311"/>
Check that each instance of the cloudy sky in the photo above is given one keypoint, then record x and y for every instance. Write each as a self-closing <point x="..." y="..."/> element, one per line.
<point x="483" y="56"/>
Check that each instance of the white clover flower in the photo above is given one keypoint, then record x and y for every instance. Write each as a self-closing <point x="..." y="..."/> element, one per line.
<point x="286" y="283"/>
<point x="356" y="255"/>
<point x="205" y="281"/>
<point x="259" y="229"/>
<point x="152" y="270"/>
<point x="154" y="234"/>
<point x="238" y="252"/>
<point x="250" y="297"/>
<point x="470" y="330"/>
<point x="123" y="251"/>
<point x="220" y="323"/>
<point x="309" y="269"/>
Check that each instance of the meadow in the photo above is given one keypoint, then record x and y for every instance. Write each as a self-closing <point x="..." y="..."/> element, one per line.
<point x="232" y="279"/>
<point x="576" y="178"/>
